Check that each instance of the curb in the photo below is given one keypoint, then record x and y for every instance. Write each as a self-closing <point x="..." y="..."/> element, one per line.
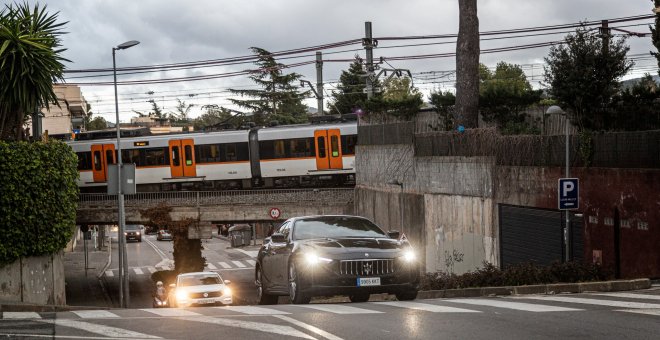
<point x="555" y="288"/>
<point x="17" y="307"/>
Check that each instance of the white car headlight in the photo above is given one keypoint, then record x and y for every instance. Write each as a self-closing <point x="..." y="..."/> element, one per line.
<point x="181" y="295"/>
<point x="226" y="291"/>
<point x="314" y="259"/>
<point x="409" y="256"/>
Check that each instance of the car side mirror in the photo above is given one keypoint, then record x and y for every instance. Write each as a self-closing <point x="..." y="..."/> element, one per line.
<point x="394" y="234"/>
<point x="172" y="285"/>
<point x="278" y="238"/>
<point x="227" y="282"/>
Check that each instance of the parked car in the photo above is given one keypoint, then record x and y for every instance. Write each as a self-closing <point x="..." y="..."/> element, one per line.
<point x="133" y="232"/>
<point x="164" y="235"/>
<point x="334" y="255"/>
<point x="200" y="288"/>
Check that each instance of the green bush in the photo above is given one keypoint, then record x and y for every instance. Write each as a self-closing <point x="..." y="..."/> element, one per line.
<point x="38" y="198"/>
<point x="516" y="275"/>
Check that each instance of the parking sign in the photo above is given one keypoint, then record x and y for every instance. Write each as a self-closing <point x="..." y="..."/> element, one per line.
<point x="568" y="193"/>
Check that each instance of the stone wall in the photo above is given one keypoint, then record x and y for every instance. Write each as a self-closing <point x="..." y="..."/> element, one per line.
<point x="34" y="280"/>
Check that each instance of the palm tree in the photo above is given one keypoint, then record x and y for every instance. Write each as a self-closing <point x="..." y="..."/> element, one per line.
<point x="30" y="61"/>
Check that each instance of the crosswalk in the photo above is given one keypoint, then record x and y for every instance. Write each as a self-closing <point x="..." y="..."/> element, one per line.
<point x="212" y="266"/>
<point x="618" y="302"/>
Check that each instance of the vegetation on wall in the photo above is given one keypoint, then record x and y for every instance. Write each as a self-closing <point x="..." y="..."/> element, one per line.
<point x="38" y="198"/>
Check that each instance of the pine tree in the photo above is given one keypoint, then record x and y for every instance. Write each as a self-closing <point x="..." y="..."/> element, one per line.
<point x="278" y="98"/>
<point x="350" y="94"/>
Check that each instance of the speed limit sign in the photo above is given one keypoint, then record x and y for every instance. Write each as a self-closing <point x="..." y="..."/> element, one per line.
<point x="274" y="213"/>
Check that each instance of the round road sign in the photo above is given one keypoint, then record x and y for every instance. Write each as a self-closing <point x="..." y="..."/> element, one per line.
<point x="274" y="213"/>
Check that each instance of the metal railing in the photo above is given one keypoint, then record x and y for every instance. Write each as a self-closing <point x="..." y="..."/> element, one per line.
<point x="201" y="198"/>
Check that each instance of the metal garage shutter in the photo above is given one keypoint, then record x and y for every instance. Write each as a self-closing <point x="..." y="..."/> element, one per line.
<point x="536" y="235"/>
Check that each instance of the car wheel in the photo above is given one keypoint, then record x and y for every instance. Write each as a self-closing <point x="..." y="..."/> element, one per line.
<point x="406" y="295"/>
<point x="295" y="294"/>
<point x="359" y="297"/>
<point x="264" y="298"/>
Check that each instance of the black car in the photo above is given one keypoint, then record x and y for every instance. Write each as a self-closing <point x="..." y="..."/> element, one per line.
<point x="133" y="232"/>
<point x="334" y="255"/>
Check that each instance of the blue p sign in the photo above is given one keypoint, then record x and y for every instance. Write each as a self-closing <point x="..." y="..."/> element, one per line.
<point x="568" y="193"/>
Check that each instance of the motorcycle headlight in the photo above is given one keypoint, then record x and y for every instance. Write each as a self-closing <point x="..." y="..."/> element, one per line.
<point x="313" y="259"/>
<point x="181" y="295"/>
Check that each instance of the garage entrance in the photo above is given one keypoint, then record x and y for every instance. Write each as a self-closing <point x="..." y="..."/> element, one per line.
<point x="536" y="235"/>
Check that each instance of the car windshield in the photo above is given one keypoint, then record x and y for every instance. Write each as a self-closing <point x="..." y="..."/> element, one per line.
<point x="335" y="227"/>
<point x="133" y="227"/>
<point x="199" y="280"/>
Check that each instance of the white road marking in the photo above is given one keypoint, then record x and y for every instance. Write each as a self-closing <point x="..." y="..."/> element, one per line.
<point x="254" y="310"/>
<point x="250" y="253"/>
<point x="426" y="307"/>
<point x="609" y="303"/>
<point x="20" y="315"/>
<point x="138" y="271"/>
<point x="211" y="266"/>
<point x="151" y="270"/>
<point x="239" y="264"/>
<point x="94" y="314"/>
<point x="308" y="327"/>
<point x="339" y="309"/>
<point x="100" y="329"/>
<point x="224" y="265"/>
<point x="641" y="311"/>
<point x="170" y="312"/>
<point x="251" y="262"/>
<point x="109" y="273"/>
<point x="528" y="307"/>
<point x="253" y="326"/>
<point x="630" y="296"/>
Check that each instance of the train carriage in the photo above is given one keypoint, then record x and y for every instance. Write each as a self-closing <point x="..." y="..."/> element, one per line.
<point x="273" y="157"/>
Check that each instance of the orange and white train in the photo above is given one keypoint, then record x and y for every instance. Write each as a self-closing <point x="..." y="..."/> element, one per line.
<point x="310" y="155"/>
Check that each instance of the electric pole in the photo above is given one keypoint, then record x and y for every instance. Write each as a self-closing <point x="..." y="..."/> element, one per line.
<point x="369" y="45"/>
<point x="319" y="83"/>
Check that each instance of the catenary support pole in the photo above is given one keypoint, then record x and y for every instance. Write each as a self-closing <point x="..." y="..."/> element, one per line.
<point x="319" y="83"/>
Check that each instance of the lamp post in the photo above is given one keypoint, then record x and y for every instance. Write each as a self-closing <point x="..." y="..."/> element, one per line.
<point x="123" y="263"/>
<point x="567" y="230"/>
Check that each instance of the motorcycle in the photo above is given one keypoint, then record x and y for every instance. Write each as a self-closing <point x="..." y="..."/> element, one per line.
<point x="160" y="301"/>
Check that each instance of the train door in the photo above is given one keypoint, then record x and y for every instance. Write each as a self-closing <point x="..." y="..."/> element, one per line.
<point x="102" y="156"/>
<point x="328" y="149"/>
<point x="182" y="158"/>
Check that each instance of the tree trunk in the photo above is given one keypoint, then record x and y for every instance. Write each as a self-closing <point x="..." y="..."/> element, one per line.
<point x="467" y="65"/>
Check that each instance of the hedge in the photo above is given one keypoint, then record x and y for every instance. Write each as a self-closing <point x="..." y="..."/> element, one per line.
<point x="38" y="198"/>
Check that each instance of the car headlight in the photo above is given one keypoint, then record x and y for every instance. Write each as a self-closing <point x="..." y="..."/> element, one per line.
<point x="226" y="291"/>
<point x="409" y="256"/>
<point x="181" y="295"/>
<point x="314" y="259"/>
<point x="137" y="233"/>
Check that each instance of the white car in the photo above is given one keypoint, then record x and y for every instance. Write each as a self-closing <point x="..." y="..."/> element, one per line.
<point x="201" y="288"/>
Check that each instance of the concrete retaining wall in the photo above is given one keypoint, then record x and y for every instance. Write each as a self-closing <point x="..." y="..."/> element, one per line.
<point x="35" y="280"/>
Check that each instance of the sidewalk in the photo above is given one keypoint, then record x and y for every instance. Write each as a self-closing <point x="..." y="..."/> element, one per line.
<point x="83" y="287"/>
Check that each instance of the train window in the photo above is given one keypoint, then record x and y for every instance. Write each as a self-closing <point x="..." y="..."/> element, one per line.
<point x="348" y="143"/>
<point x="242" y="152"/>
<point x="334" y="146"/>
<point x="131" y="156"/>
<point x="279" y="150"/>
<point x="302" y="147"/>
<point x="176" y="161"/>
<point x="187" y="150"/>
<point x="97" y="161"/>
<point x="321" y="153"/>
<point x="208" y="153"/>
<point x="84" y="160"/>
<point x="221" y="153"/>
<point x="155" y="156"/>
<point x="109" y="157"/>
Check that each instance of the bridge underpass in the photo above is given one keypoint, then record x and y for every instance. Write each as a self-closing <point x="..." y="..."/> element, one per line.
<point x="218" y="206"/>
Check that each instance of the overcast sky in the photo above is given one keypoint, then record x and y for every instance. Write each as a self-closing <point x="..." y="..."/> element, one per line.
<point x="174" y="31"/>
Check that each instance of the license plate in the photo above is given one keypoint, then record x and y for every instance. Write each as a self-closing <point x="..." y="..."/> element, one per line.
<point x="204" y="301"/>
<point x="368" y="281"/>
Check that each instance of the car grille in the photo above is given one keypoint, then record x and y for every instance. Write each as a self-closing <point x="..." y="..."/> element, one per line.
<point x="366" y="267"/>
<point x="201" y="295"/>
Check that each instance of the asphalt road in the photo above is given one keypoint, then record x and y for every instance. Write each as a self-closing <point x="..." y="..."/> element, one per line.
<point x="629" y="315"/>
<point x="150" y="255"/>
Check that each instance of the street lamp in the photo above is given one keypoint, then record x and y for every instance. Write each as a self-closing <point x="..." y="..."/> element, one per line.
<point x="123" y="262"/>
<point x="400" y="184"/>
<point x="556" y="110"/>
